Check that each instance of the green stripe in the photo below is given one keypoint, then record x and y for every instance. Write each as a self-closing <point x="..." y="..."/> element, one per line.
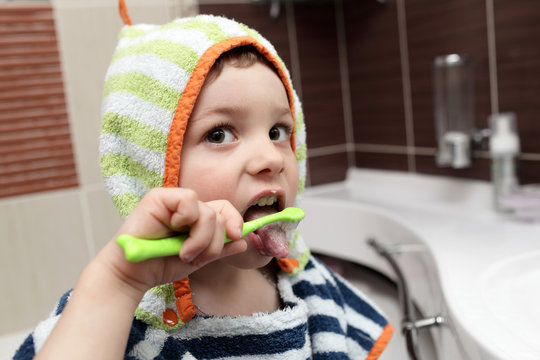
<point x="132" y="32"/>
<point x="156" y="321"/>
<point x="252" y="33"/>
<point x="144" y="87"/>
<point x="211" y="29"/>
<point x="117" y="164"/>
<point x="300" y="123"/>
<point x="165" y="291"/>
<point x="301" y="153"/>
<point x="179" y="54"/>
<point x="134" y="131"/>
<point x="125" y="203"/>
<point x="301" y="185"/>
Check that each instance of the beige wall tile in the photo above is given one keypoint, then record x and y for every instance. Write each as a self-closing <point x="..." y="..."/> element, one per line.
<point x="104" y="219"/>
<point x="44" y="256"/>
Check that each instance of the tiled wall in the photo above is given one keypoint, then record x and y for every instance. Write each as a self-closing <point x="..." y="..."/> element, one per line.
<point x="363" y="70"/>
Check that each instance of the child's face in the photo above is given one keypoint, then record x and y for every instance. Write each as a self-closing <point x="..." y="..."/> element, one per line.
<point x="237" y="145"/>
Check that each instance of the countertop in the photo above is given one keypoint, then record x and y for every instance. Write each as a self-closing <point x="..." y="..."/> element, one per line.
<point x="486" y="262"/>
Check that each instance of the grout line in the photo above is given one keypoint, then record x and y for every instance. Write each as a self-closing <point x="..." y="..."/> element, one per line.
<point x="395" y="149"/>
<point x="87" y="223"/>
<point x="293" y="48"/>
<point x="492" y="57"/>
<point x="345" y="85"/>
<point x="529" y="156"/>
<point x="370" y="148"/>
<point x="405" y="77"/>
<point x="327" y="150"/>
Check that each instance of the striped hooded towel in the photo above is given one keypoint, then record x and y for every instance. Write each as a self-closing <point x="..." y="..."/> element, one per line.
<point x="151" y="86"/>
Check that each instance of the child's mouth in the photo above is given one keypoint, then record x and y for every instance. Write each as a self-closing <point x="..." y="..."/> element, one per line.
<point x="270" y="240"/>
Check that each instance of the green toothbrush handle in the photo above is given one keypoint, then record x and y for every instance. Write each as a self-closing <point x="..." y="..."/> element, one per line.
<point x="137" y="249"/>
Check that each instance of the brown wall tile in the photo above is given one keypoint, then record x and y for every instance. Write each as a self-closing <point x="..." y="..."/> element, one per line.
<point x="328" y="168"/>
<point x="481" y="168"/>
<point x="381" y="161"/>
<point x="320" y="73"/>
<point x="443" y="27"/>
<point x="375" y="72"/>
<point x="256" y="17"/>
<point x="517" y="29"/>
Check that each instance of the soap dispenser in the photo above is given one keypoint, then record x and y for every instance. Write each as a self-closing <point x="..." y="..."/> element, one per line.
<point x="504" y="148"/>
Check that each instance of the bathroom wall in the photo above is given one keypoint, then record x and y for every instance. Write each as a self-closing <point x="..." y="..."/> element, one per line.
<point x="363" y="69"/>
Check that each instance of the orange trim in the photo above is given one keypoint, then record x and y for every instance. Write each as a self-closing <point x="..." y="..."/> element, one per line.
<point x="122" y="9"/>
<point x="381" y="343"/>
<point x="288" y="265"/>
<point x="191" y="92"/>
<point x="184" y="302"/>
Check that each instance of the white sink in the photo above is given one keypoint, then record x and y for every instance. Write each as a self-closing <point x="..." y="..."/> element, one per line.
<point x="511" y="291"/>
<point x="486" y="265"/>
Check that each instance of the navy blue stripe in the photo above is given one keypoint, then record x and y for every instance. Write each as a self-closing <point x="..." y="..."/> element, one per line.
<point x="172" y="349"/>
<point x="324" y="323"/>
<point x="331" y="356"/>
<point x="215" y="347"/>
<point x="327" y="291"/>
<point x="136" y="335"/>
<point x="359" y="305"/>
<point x="362" y="338"/>
<point x="63" y="302"/>
<point x="26" y="350"/>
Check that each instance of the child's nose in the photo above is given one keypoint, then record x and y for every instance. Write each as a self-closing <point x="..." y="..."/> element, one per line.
<point x="265" y="158"/>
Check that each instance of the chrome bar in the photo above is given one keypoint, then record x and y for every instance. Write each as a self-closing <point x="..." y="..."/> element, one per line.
<point x="409" y="325"/>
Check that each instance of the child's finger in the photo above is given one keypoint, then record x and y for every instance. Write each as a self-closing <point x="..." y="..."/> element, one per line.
<point x="201" y="234"/>
<point x="233" y="220"/>
<point x="215" y="246"/>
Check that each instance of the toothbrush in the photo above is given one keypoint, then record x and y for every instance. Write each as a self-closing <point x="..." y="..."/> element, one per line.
<point x="137" y="249"/>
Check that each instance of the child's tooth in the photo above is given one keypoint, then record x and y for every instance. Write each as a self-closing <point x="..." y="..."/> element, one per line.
<point x="265" y="201"/>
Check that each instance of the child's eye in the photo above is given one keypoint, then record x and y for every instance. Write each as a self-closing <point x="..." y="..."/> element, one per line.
<point x="220" y="135"/>
<point x="280" y="133"/>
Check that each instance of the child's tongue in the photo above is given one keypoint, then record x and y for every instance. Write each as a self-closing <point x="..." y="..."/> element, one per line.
<point x="270" y="240"/>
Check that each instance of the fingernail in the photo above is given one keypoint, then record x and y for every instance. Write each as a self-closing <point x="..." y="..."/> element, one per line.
<point x="187" y="258"/>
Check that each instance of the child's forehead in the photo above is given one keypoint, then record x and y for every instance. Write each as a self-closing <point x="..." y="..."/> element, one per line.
<point x="237" y="90"/>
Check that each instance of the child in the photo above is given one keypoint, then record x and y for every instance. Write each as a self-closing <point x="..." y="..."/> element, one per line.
<point x="240" y="156"/>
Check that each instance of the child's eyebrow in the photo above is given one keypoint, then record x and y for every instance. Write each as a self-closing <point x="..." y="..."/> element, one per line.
<point x="232" y="109"/>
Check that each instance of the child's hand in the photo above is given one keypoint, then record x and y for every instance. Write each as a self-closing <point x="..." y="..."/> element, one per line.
<point x="163" y="212"/>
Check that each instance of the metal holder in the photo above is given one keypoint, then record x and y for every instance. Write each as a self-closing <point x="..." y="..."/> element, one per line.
<point x="409" y="325"/>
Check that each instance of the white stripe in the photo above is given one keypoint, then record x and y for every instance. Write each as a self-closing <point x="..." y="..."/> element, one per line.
<point x="257" y="324"/>
<point x="312" y="276"/>
<point x="355" y="351"/>
<point x="138" y="109"/>
<point x="363" y="323"/>
<point x="303" y="353"/>
<point x="122" y="184"/>
<point x="194" y="39"/>
<point x="324" y="272"/>
<point x="115" y="144"/>
<point x="152" y="66"/>
<point x="43" y="330"/>
<point x="153" y="304"/>
<point x="329" y="342"/>
<point x="329" y="308"/>
<point x="229" y="27"/>
<point x="151" y="346"/>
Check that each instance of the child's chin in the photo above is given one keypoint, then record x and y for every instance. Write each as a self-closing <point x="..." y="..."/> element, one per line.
<point x="250" y="259"/>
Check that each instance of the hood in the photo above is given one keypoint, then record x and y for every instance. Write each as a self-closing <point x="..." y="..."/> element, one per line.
<point x="151" y="87"/>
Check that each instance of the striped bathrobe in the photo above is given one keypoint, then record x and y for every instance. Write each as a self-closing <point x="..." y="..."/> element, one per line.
<point x="324" y="317"/>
